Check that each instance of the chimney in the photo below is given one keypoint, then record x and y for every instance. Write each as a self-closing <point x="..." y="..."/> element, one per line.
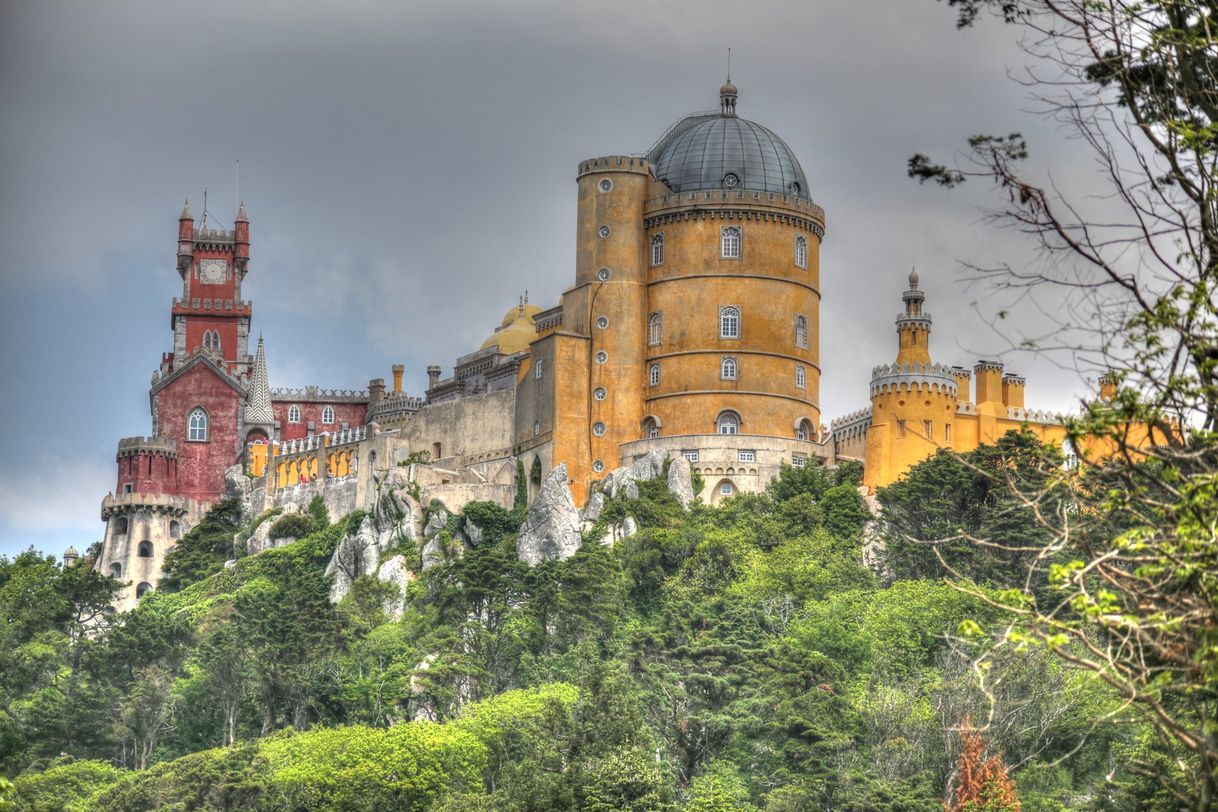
<point x="963" y="381"/>
<point x="1012" y="390"/>
<point x="398" y="369"/>
<point x="989" y="381"/>
<point x="1108" y="387"/>
<point x="376" y="390"/>
<point x="433" y="376"/>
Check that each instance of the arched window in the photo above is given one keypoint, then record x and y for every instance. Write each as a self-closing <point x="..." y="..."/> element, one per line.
<point x="729" y="322"/>
<point x="727" y="369"/>
<point x="175" y="529"/>
<point x="143" y="589"/>
<point x="327" y="415"/>
<point x="801" y="378"/>
<point x="651" y="428"/>
<point x="803" y="431"/>
<point x="116" y="570"/>
<point x="801" y="331"/>
<point x="655" y="329"/>
<point x="729" y="423"/>
<point x="653" y="375"/>
<point x="535" y="473"/>
<point x="657" y="249"/>
<point x="293" y="413"/>
<point x="145" y="549"/>
<point x="196" y="430"/>
<point x="729" y="242"/>
<point x="211" y="340"/>
<point x="801" y="252"/>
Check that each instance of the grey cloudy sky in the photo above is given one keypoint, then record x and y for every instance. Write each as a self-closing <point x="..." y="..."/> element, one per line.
<point x="409" y="169"/>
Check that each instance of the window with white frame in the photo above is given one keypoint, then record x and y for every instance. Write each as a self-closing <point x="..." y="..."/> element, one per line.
<point x="801" y="378"/>
<point x="947" y="433"/>
<point x="211" y="340"/>
<point x="746" y="455"/>
<point x="653" y="375"/>
<point x="196" y="426"/>
<point x="327" y="415"/>
<point x="799" y="460"/>
<point x="293" y="413"/>
<point x="537" y="368"/>
<point x="928" y="428"/>
<point x="801" y="331"/>
<point x="655" y="329"/>
<point x="801" y="252"/>
<point x="651" y="428"/>
<point x="729" y="242"/>
<point x="657" y="249"/>
<point x="726" y="489"/>
<point x="728" y="369"/>
<point x="729" y="322"/>
<point x="691" y="455"/>
<point x="803" y="431"/>
<point x="729" y="423"/>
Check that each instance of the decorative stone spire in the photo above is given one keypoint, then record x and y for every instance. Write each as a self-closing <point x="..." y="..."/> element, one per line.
<point x="242" y="217"/>
<point x="913" y="326"/>
<point x="186" y="215"/>
<point x="258" y="401"/>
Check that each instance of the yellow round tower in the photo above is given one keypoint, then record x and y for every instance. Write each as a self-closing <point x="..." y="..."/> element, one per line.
<point x="913" y="401"/>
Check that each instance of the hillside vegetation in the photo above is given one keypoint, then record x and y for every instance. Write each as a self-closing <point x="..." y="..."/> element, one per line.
<point x="731" y="658"/>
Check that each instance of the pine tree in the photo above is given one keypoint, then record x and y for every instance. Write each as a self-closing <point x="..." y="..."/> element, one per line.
<point x="981" y="784"/>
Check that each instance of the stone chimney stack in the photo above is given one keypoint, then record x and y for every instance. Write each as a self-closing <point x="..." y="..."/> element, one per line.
<point x="1108" y="387"/>
<point x="376" y="390"/>
<point x="398" y="370"/>
<point x="433" y="376"/>
<point x="988" y="377"/>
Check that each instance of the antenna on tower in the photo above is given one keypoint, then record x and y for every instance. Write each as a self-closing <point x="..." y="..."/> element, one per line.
<point x="729" y="64"/>
<point x="237" y="193"/>
<point x="204" y="207"/>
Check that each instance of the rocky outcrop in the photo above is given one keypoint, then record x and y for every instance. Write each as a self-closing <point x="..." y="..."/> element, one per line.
<point x="551" y="529"/>
<point x="240" y="487"/>
<point x="617" y="532"/>
<point x="260" y="540"/>
<point x="393" y="571"/>
<point x="434" y="538"/>
<point x="875" y="549"/>
<point x="392" y="522"/>
<point x="680" y="481"/>
<point x="624" y="481"/>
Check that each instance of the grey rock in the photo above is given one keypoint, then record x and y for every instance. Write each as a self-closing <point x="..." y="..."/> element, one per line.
<point x="680" y="481"/>
<point x="436" y="522"/>
<point x="624" y="481"/>
<point x="593" y="509"/>
<point x="394" y="571"/>
<point x="240" y="487"/>
<point x="472" y="532"/>
<point x="617" y="532"/>
<point x="260" y="540"/>
<point x="357" y="555"/>
<point x="551" y="529"/>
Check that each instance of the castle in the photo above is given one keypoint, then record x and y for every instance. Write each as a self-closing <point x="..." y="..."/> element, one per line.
<point x="691" y="327"/>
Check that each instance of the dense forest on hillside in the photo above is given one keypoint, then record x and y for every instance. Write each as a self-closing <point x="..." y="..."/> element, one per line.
<point x="729" y="658"/>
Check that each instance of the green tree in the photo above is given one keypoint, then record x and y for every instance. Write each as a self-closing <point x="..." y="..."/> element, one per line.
<point x="204" y="549"/>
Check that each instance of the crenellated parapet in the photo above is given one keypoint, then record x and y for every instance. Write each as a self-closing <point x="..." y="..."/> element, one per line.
<point x="738" y="204"/>
<point x="937" y="378"/>
<point x="161" y="503"/>
<point x="317" y="394"/>
<point x="395" y="404"/>
<point x="1034" y="416"/>
<point x="156" y="446"/>
<point x="849" y="420"/>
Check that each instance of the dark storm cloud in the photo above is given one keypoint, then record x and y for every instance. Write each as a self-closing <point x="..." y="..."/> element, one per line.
<point x="409" y="170"/>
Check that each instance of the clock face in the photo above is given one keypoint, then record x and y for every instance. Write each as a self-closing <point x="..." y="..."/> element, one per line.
<point x="213" y="271"/>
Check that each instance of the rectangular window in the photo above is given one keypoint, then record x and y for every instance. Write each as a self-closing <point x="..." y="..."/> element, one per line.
<point x="799" y="460"/>
<point x="929" y="428"/>
<point x="691" y="455"/>
<point x="729" y="242"/>
<point x="947" y="434"/>
<point x="726" y="489"/>
<point x="537" y="369"/>
<point x="900" y="429"/>
<point x="746" y="455"/>
<point x="657" y="249"/>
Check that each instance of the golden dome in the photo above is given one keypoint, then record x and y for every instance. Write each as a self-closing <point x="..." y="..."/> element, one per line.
<point x="516" y="331"/>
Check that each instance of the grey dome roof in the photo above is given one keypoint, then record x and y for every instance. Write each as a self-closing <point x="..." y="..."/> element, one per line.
<point x="700" y="151"/>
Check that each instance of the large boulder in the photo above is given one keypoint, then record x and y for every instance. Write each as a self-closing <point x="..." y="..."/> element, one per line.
<point x="394" y="509"/>
<point x="357" y="555"/>
<point x="623" y="481"/>
<point x="680" y="481"/>
<point x="240" y="487"/>
<point x="261" y="540"/>
<point x="551" y="529"/>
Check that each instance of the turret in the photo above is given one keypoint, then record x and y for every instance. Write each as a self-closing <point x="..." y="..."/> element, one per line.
<point x="398" y="371"/>
<point x="989" y="381"/>
<point x="913" y="326"/>
<point x="186" y="238"/>
<point x="1012" y="390"/>
<point x="241" y="250"/>
<point x="963" y="381"/>
<point x="433" y="376"/>
<point x="69" y="557"/>
<point x="376" y="390"/>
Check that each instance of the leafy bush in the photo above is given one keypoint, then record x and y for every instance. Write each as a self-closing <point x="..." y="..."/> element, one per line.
<point x="294" y="525"/>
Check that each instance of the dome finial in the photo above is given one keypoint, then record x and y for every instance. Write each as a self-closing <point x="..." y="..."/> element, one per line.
<point x="727" y="93"/>
<point x="913" y="279"/>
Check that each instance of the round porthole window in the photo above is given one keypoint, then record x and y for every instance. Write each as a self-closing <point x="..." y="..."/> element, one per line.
<point x="602" y="357"/>
<point x="602" y="322"/>
<point x="606" y="184"/>
<point x="603" y="231"/>
<point x="599" y="393"/>
<point x="598" y="466"/>
<point x="730" y="180"/>
<point x="598" y="428"/>
<point x="603" y="274"/>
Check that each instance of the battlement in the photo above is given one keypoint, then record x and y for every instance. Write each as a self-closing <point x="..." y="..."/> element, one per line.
<point x="922" y="319"/>
<point x="396" y="403"/>
<point x="757" y="203"/>
<point x="214" y="236"/>
<point x="135" y="446"/>
<point x="318" y="441"/>
<point x="858" y="416"/>
<point x="1011" y="378"/>
<point x="895" y="377"/>
<point x="548" y="319"/>
<point x="238" y="307"/>
<point x="314" y="394"/>
<point x="120" y="503"/>
<point x="1033" y="416"/>
<point x="614" y="163"/>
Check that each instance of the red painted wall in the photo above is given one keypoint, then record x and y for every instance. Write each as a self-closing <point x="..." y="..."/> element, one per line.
<point x="354" y="414"/>
<point x="197" y="325"/>
<point x="148" y="473"/>
<point x="201" y="466"/>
